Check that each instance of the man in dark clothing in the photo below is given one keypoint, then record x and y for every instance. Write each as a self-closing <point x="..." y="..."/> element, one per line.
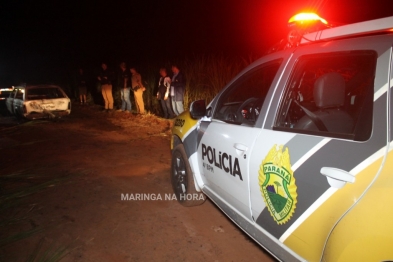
<point x="81" y="82"/>
<point x="178" y="87"/>
<point x="105" y="78"/>
<point x="163" y="92"/>
<point x="124" y="84"/>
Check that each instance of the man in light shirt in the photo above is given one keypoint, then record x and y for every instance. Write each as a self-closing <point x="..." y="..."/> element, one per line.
<point x="164" y="85"/>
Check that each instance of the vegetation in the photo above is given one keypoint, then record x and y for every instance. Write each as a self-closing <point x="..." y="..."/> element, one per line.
<point x="207" y="75"/>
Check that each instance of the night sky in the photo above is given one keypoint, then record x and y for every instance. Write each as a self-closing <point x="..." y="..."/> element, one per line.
<point x="40" y="40"/>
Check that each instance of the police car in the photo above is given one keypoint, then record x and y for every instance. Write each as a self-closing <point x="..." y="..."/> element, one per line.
<point x="297" y="149"/>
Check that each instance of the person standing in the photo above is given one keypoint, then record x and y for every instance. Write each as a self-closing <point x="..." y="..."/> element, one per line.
<point x="138" y="88"/>
<point x="106" y="86"/>
<point x="178" y="87"/>
<point x="164" y="85"/>
<point x="125" y="87"/>
<point x="81" y="79"/>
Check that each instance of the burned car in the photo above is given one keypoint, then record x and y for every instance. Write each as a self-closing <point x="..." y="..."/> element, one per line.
<point x="4" y="94"/>
<point x="38" y="101"/>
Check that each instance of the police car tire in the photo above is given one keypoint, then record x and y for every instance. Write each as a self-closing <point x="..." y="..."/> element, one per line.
<point x="183" y="181"/>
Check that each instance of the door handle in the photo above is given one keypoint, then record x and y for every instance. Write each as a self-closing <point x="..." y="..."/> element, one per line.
<point x="240" y="148"/>
<point x="337" y="178"/>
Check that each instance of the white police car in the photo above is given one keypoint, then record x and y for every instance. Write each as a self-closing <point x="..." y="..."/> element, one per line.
<point x="297" y="149"/>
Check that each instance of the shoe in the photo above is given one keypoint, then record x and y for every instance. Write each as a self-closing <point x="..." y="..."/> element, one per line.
<point x="120" y="110"/>
<point x="127" y="112"/>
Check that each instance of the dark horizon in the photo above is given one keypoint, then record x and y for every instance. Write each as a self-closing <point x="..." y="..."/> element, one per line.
<point x="45" y="41"/>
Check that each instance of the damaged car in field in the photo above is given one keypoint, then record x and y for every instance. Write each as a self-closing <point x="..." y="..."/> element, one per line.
<point x="4" y="94"/>
<point x="38" y="101"/>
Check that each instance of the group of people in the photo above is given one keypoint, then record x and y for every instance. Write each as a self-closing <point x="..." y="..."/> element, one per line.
<point x="170" y="89"/>
<point x="171" y="92"/>
<point x="128" y="80"/>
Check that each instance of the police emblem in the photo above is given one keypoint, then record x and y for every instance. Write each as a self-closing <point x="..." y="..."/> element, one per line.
<point x="277" y="184"/>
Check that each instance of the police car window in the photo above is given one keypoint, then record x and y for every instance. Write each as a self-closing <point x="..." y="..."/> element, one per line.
<point x="242" y="101"/>
<point x="330" y="95"/>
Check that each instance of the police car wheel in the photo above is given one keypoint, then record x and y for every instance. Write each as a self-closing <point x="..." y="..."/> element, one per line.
<point x="183" y="180"/>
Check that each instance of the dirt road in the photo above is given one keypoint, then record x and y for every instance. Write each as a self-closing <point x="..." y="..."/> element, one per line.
<point x="86" y="162"/>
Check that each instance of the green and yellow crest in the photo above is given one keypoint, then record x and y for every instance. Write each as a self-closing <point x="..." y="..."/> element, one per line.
<point x="277" y="184"/>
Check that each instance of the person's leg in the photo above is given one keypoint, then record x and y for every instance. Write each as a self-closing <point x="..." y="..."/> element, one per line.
<point x="169" y="108"/>
<point x="127" y="99"/>
<point x="123" y="101"/>
<point x="110" y="98"/>
<point x="139" y="101"/>
<point x="104" y="95"/>
<point x="141" y="104"/>
<point x="179" y="107"/>
<point x="136" y="102"/>
<point x="82" y="94"/>
<point x="164" y="108"/>
<point x="173" y="102"/>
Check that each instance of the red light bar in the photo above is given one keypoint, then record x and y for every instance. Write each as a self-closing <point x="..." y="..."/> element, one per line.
<point x="306" y="17"/>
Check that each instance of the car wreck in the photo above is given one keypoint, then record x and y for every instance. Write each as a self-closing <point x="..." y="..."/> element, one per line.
<point x="38" y="101"/>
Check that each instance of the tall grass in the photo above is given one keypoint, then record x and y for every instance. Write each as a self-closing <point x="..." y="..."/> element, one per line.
<point x="207" y="75"/>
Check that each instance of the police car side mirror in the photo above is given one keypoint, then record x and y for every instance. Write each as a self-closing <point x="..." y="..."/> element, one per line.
<point x="198" y="109"/>
<point x="209" y="112"/>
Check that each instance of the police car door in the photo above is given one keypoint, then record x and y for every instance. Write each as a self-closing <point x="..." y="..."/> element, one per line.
<point x="226" y="139"/>
<point x="328" y="117"/>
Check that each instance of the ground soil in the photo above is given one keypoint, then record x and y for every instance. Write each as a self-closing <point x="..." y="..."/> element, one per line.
<point x="89" y="159"/>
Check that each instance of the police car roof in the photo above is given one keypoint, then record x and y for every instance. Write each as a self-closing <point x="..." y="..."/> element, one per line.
<point x="382" y="25"/>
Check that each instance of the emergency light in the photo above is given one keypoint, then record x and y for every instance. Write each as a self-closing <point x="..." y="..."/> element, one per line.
<point x="304" y="18"/>
<point x="304" y="23"/>
<point x="299" y="25"/>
